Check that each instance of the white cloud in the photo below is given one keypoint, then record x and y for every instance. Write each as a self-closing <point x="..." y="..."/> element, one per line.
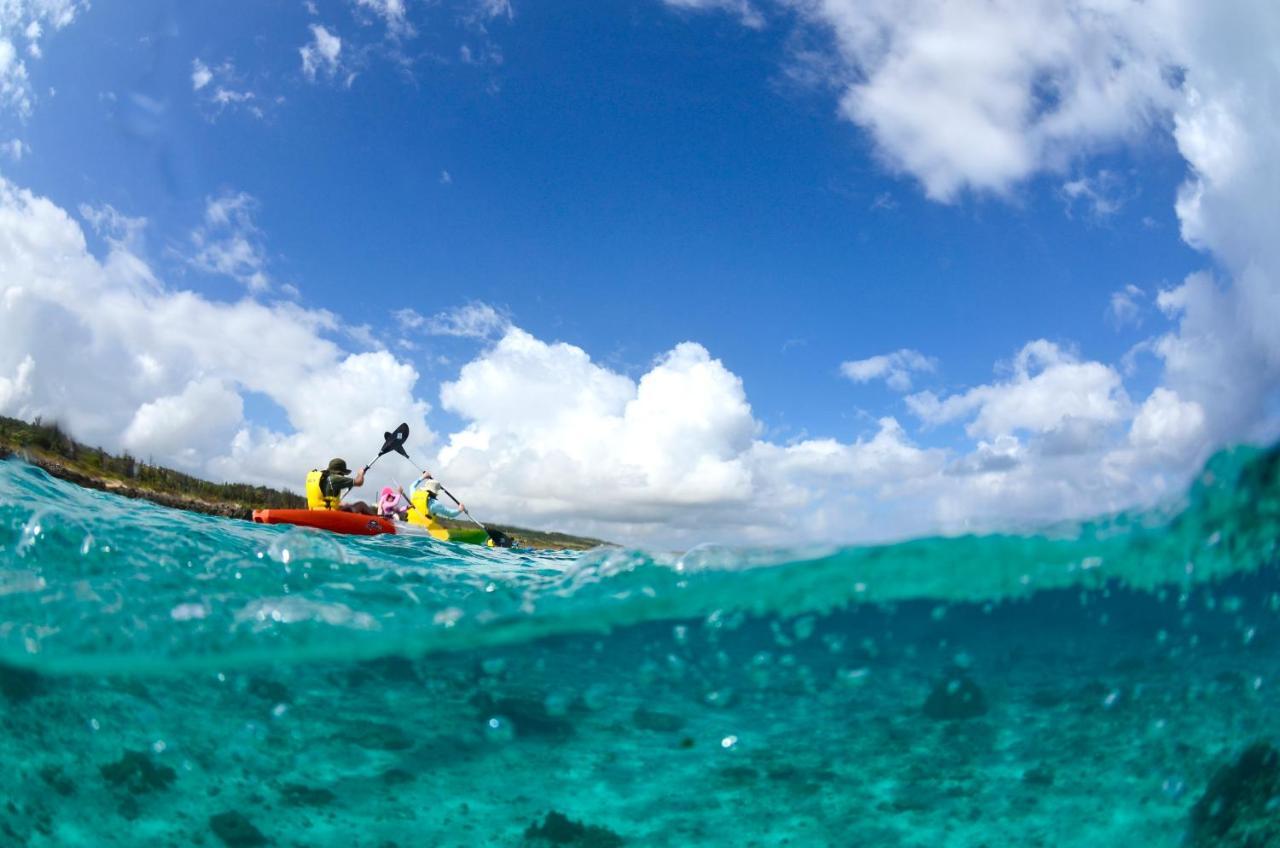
<point x="1002" y="454"/>
<point x="408" y="319"/>
<point x="1047" y="387"/>
<point x="1169" y="426"/>
<point x="490" y="9"/>
<point x="982" y="95"/>
<point x="746" y="11"/>
<point x="677" y="455"/>
<point x="321" y="55"/>
<point x="229" y="243"/>
<point x="28" y="18"/>
<point x="190" y="425"/>
<point x="954" y="94"/>
<point x="200" y="75"/>
<point x="220" y="87"/>
<point x="392" y="13"/>
<point x="552" y="438"/>
<point x="472" y="321"/>
<point x="894" y="368"/>
<point x="1124" y="308"/>
<point x="1225" y="354"/>
<point x="1100" y="194"/>
<point x="15" y="148"/>
<point x="125" y="361"/>
<point x="15" y="391"/>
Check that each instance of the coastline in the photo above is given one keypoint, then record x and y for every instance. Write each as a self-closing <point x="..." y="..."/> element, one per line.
<point x="189" y="503"/>
<point x="24" y="441"/>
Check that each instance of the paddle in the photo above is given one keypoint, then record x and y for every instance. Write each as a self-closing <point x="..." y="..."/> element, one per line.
<point x="464" y="509"/>
<point x="393" y="441"/>
<point x="399" y="448"/>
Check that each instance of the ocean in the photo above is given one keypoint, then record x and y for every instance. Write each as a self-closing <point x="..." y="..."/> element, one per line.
<point x="175" y="679"/>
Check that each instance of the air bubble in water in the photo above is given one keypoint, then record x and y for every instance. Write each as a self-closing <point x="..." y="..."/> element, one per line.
<point x="499" y="729"/>
<point x="557" y="703"/>
<point x="595" y="697"/>
<point x="719" y="698"/>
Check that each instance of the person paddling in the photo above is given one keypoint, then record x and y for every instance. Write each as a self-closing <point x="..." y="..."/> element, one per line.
<point x="435" y="506"/>
<point x="326" y="488"/>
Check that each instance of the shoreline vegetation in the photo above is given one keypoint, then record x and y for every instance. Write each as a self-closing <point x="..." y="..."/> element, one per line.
<point x="47" y="446"/>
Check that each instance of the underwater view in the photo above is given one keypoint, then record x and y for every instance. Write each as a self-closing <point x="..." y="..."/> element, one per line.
<point x="177" y="679"/>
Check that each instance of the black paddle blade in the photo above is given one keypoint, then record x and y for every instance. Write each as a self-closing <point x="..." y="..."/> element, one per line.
<point x="394" y="441"/>
<point x="500" y="539"/>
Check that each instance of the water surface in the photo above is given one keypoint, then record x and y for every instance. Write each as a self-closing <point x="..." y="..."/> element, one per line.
<point x="172" y="679"/>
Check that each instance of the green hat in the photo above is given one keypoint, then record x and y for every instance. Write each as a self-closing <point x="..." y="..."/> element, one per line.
<point x="338" y="466"/>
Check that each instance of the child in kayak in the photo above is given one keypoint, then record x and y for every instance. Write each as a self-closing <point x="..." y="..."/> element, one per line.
<point x="390" y="504"/>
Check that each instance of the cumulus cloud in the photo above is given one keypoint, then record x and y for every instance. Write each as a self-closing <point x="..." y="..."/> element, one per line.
<point x="894" y="368"/>
<point x="123" y="360"/>
<point x="228" y="243"/>
<point x="321" y="54"/>
<point x="982" y="95"/>
<point x="1225" y="353"/>
<point x="554" y="436"/>
<point x="1168" y="425"/>
<point x="189" y="426"/>
<point x="1047" y="387"/>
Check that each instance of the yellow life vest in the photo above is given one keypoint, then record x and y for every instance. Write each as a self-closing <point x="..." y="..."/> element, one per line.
<point x="421" y="515"/>
<point x="316" y="498"/>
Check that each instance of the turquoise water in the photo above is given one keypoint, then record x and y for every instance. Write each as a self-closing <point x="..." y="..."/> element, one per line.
<point x="175" y="679"/>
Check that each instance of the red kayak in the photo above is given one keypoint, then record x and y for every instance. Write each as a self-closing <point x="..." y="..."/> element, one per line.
<point x="333" y="520"/>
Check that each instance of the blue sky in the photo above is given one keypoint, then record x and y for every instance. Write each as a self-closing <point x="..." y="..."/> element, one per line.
<point x="620" y="177"/>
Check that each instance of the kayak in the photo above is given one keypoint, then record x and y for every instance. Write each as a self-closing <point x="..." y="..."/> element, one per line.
<point x="355" y="524"/>
<point x="352" y="523"/>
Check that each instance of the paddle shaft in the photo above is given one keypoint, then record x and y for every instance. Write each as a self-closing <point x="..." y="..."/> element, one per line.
<point x="464" y="511"/>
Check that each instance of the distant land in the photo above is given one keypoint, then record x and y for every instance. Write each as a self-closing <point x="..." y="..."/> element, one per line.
<point x="47" y="446"/>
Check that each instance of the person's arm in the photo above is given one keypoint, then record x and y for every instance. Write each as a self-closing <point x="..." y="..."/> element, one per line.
<point x="359" y="481"/>
<point x="437" y="507"/>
